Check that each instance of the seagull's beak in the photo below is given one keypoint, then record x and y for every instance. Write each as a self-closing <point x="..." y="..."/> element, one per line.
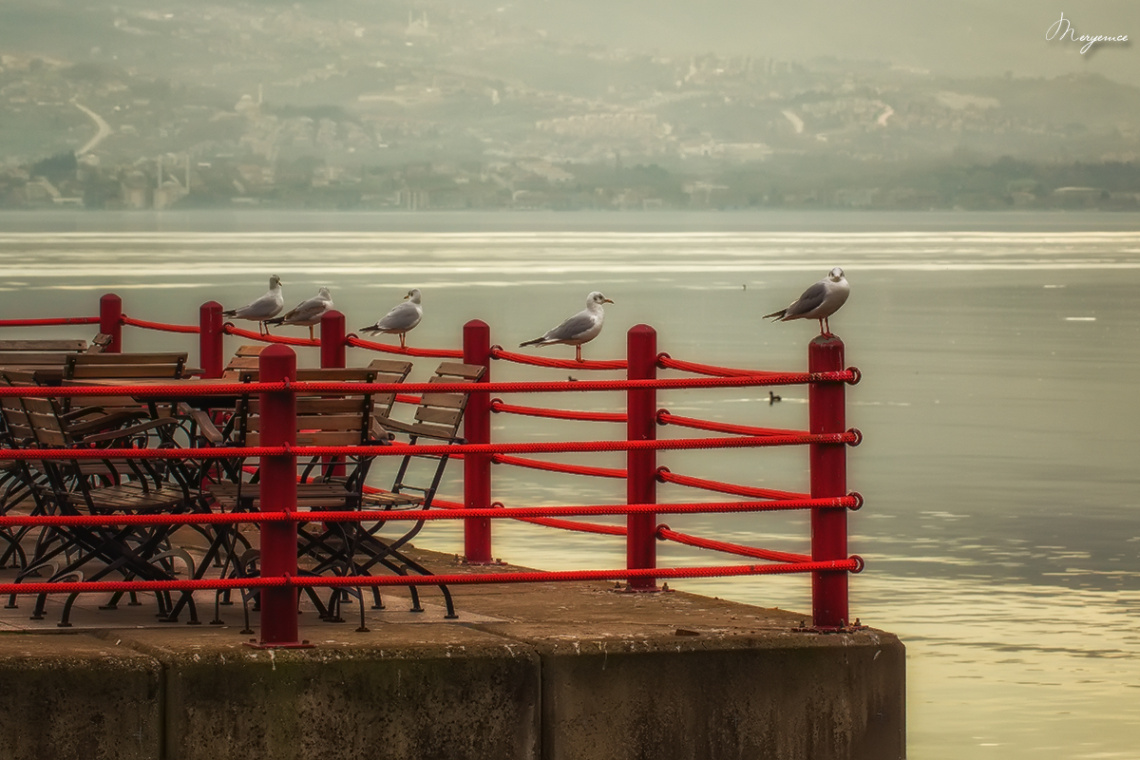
<point x="606" y="300"/>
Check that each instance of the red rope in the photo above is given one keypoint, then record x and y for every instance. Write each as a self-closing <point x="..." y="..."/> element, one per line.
<point x="557" y="414"/>
<point x="236" y="452"/>
<point x="497" y="352"/>
<point x="575" y="525"/>
<point x="47" y="322"/>
<point x="853" y="564"/>
<point x="506" y="513"/>
<point x="160" y="326"/>
<point x="664" y="533"/>
<point x="572" y="469"/>
<point x="665" y="476"/>
<point x="353" y="340"/>
<point x="667" y="362"/>
<point x="580" y="527"/>
<point x="229" y="329"/>
<point x="665" y="418"/>
<point x="160" y="390"/>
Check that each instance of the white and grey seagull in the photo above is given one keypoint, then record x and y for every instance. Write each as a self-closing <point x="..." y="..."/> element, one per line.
<point x="581" y="328"/>
<point x="819" y="301"/>
<point x="308" y="312"/>
<point x="401" y="318"/>
<point x="266" y="307"/>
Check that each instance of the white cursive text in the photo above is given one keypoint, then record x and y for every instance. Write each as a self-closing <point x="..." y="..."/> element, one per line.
<point x="1063" y="28"/>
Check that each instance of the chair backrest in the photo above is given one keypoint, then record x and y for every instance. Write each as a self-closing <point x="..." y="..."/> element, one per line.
<point x="439" y="415"/>
<point x="47" y="353"/>
<point x="132" y="366"/>
<point x="387" y="371"/>
<point x="43" y="420"/>
<point x="8" y="347"/>
<point x="322" y="419"/>
<point x="243" y="365"/>
<point x="157" y="366"/>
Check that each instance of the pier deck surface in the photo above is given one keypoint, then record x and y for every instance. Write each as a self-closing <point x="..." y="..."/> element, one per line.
<point x="565" y="671"/>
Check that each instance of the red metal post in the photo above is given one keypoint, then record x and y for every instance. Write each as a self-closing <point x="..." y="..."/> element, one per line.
<point x="477" y="429"/>
<point x="333" y="356"/>
<point x="827" y="414"/>
<point x="333" y="348"/>
<point x="210" y="335"/>
<point x="111" y="322"/>
<point x="641" y="466"/>
<point x="278" y="494"/>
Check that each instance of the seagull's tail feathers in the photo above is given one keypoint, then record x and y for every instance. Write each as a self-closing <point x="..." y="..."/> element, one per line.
<point x="777" y="315"/>
<point x="370" y="330"/>
<point x="535" y="342"/>
<point x="275" y="321"/>
<point x="230" y="313"/>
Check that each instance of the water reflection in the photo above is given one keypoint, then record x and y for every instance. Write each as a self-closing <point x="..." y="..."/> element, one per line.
<point x="997" y="403"/>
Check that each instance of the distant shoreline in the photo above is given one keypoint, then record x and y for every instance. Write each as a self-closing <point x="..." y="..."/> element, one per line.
<point x="24" y="221"/>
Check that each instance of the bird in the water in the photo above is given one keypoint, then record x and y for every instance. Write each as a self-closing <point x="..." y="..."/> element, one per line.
<point x="581" y="328"/>
<point x="773" y="398"/>
<point x="819" y="301"/>
<point x="308" y="312"/>
<point x="401" y="318"/>
<point x="264" y="308"/>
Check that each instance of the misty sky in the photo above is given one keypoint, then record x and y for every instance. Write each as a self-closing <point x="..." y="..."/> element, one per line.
<point x="968" y="37"/>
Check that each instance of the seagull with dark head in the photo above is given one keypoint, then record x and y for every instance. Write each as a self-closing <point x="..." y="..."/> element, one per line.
<point x="581" y="328"/>
<point x="819" y="301"/>
<point x="308" y="312"/>
<point x="264" y="308"/>
<point x="400" y="318"/>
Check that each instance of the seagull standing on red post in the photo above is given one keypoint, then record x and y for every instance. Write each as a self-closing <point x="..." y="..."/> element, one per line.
<point x="819" y="301"/>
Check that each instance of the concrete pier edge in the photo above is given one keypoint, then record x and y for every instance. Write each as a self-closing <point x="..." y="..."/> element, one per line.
<point x="567" y="671"/>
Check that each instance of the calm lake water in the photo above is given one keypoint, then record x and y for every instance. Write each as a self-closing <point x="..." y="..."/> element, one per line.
<point x="999" y="355"/>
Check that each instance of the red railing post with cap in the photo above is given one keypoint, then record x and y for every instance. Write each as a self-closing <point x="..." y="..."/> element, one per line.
<point x="827" y="414"/>
<point x="210" y="335"/>
<point x="278" y="494"/>
<point x="333" y="356"/>
<point x="111" y="322"/>
<point x="477" y="429"/>
<point x="641" y="466"/>
<point x="333" y="346"/>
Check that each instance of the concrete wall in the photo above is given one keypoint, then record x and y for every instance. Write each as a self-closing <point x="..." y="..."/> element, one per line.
<point x="450" y="692"/>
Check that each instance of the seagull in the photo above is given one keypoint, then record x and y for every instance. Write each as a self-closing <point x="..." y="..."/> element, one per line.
<point x="266" y="307"/>
<point x="307" y="312"/>
<point x="402" y="317"/>
<point x="819" y="301"/>
<point x="581" y="328"/>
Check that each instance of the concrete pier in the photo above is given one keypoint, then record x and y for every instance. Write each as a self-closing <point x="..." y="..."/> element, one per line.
<point x="576" y="671"/>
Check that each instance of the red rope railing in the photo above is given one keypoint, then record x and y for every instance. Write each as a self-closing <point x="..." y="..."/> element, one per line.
<point x="573" y="469"/>
<point x="665" y="476"/>
<point x="706" y="376"/>
<point x="160" y="326"/>
<point x="437" y="353"/>
<point x="416" y="515"/>
<point x="665" y="534"/>
<point x="667" y="362"/>
<point x="541" y="361"/>
<point x="852" y="565"/>
<point x="665" y="418"/>
<point x="498" y="406"/>
<point x="229" y="329"/>
<point x="236" y="452"/>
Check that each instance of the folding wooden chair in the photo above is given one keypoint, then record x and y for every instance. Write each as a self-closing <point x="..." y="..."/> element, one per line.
<point x="113" y="486"/>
